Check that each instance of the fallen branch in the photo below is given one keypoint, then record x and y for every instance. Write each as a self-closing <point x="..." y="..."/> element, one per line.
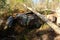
<point x="52" y="25"/>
